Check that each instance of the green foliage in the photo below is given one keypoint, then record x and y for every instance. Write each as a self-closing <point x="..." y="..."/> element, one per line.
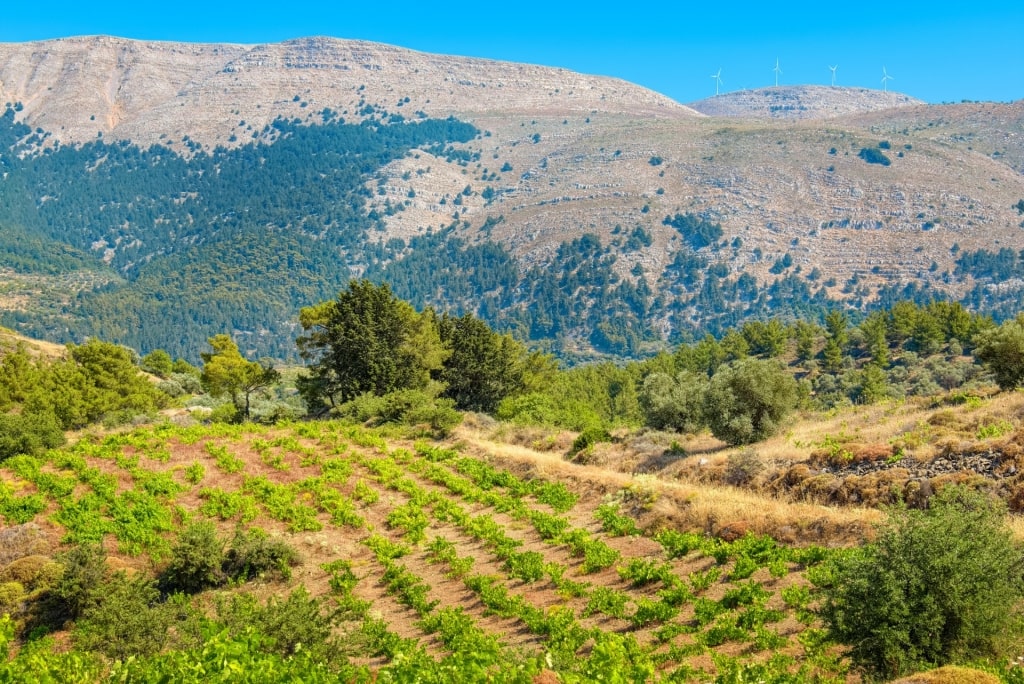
<point x="588" y="438"/>
<point x="482" y="368"/>
<point x="79" y="585"/>
<point x="1002" y="351"/>
<point x="698" y="232"/>
<point x="366" y="340"/>
<point x="872" y="155"/>
<point x="159" y="363"/>
<point x="28" y="433"/>
<point x="196" y="560"/>
<point x="227" y="372"/>
<point x="224" y="239"/>
<point x="747" y="400"/>
<point x="291" y="624"/>
<point x="125" y="620"/>
<point x="674" y="403"/>
<point x="933" y="589"/>
<point x="252" y="553"/>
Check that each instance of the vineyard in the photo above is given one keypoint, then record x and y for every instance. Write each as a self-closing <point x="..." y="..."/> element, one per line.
<point x="430" y="561"/>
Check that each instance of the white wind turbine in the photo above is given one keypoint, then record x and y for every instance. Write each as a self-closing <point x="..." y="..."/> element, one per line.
<point x="718" y="79"/>
<point x="833" y="70"/>
<point x="885" y="80"/>
<point x="777" y="71"/>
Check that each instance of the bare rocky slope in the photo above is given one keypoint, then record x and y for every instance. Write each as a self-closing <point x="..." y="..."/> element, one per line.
<point x="564" y="154"/>
<point x="801" y="102"/>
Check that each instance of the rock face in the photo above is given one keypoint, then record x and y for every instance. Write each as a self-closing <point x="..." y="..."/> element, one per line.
<point x="152" y="92"/>
<point x="801" y="102"/>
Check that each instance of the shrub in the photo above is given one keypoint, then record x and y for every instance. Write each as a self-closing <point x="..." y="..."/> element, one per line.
<point x="747" y="400"/>
<point x="937" y="587"/>
<point x="588" y="438"/>
<point x="1002" y="351"/>
<point x="84" y="571"/>
<point x="292" y="624"/>
<point x="873" y="155"/>
<point x="28" y="433"/>
<point x="196" y="560"/>
<point x="252" y="553"/>
<point x="673" y="403"/>
<point x="126" y="620"/>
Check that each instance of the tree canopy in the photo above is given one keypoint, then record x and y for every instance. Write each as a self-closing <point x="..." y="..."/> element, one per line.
<point x="227" y="372"/>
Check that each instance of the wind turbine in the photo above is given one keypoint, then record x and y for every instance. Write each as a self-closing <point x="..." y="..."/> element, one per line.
<point x="718" y="79"/>
<point x="885" y="80"/>
<point x="833" y="70"/>
<point x="777" y="71"/>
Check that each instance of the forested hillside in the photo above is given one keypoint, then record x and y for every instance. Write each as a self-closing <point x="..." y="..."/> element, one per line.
<point x="222" y="240"/>
<point x="159" y="249"/>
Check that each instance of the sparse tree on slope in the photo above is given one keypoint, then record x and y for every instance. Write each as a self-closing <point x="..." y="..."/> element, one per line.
<point x="227" y="372"/>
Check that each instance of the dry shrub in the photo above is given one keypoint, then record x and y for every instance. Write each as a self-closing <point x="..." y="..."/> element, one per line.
<point x="732" y="531"/>
<point x="950" y="674"/>
<point x="32" y="572"/>
<point x="743" y="466"/>
<point x="945" y="418"/>
<point x="23" y="540"/>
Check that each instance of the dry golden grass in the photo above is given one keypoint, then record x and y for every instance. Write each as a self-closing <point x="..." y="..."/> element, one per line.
<point x="678" y="504"/>
<point x="950" y="675"/>
<point x="10" y="340"/>
<point x="692" y="488"/>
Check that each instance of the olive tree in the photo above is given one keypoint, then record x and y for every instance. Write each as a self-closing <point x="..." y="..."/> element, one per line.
<point x="747" y="400"/>
<point x="1001" y="350"/>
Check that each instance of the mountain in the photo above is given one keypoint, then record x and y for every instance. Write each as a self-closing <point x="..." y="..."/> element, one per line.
<point x="221" y="187"/>
<point x="801" y="102"/>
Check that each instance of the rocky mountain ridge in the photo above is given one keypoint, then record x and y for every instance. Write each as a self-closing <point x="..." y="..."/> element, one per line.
<point x="865" y="199"/>
<point x="802" y="102"/>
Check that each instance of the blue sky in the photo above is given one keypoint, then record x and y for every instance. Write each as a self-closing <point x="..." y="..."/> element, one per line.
<point x="935" y="51"/>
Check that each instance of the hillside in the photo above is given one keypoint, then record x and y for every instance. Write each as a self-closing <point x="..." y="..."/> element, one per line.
<point x="801" y="102"/>
<point x="566" y="218"/>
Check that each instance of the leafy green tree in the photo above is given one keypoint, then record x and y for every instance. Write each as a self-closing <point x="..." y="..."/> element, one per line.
<point x="767" y="339"/>
<point x="483" y="367"/>
<point x="158" y="362"/>
<point x="836" y="339"/>
<point x="875" y="330"/>
<point x="1001" y="350"/>
<point x="227" y="372"/>
<point x="902" y="320"/>
<point x="804" y="334"/>
<point x="703" y="357"/>
<point x="674" y="403"/>
<point x="746" y="400"/>
<point x="366" y="340"/>
<point x="735" y="345"/>
<point x="937" y="586"/>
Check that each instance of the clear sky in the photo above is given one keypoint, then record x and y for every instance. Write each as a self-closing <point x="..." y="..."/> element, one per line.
<point x="939" y="52"/>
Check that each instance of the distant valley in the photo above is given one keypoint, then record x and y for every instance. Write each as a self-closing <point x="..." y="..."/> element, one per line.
<point x="150" y="188"/>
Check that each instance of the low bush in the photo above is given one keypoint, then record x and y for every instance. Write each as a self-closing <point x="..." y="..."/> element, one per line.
<point x="934" y="589"/>
<point x="253" y="553"/>
<point x="196" y="560"/>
